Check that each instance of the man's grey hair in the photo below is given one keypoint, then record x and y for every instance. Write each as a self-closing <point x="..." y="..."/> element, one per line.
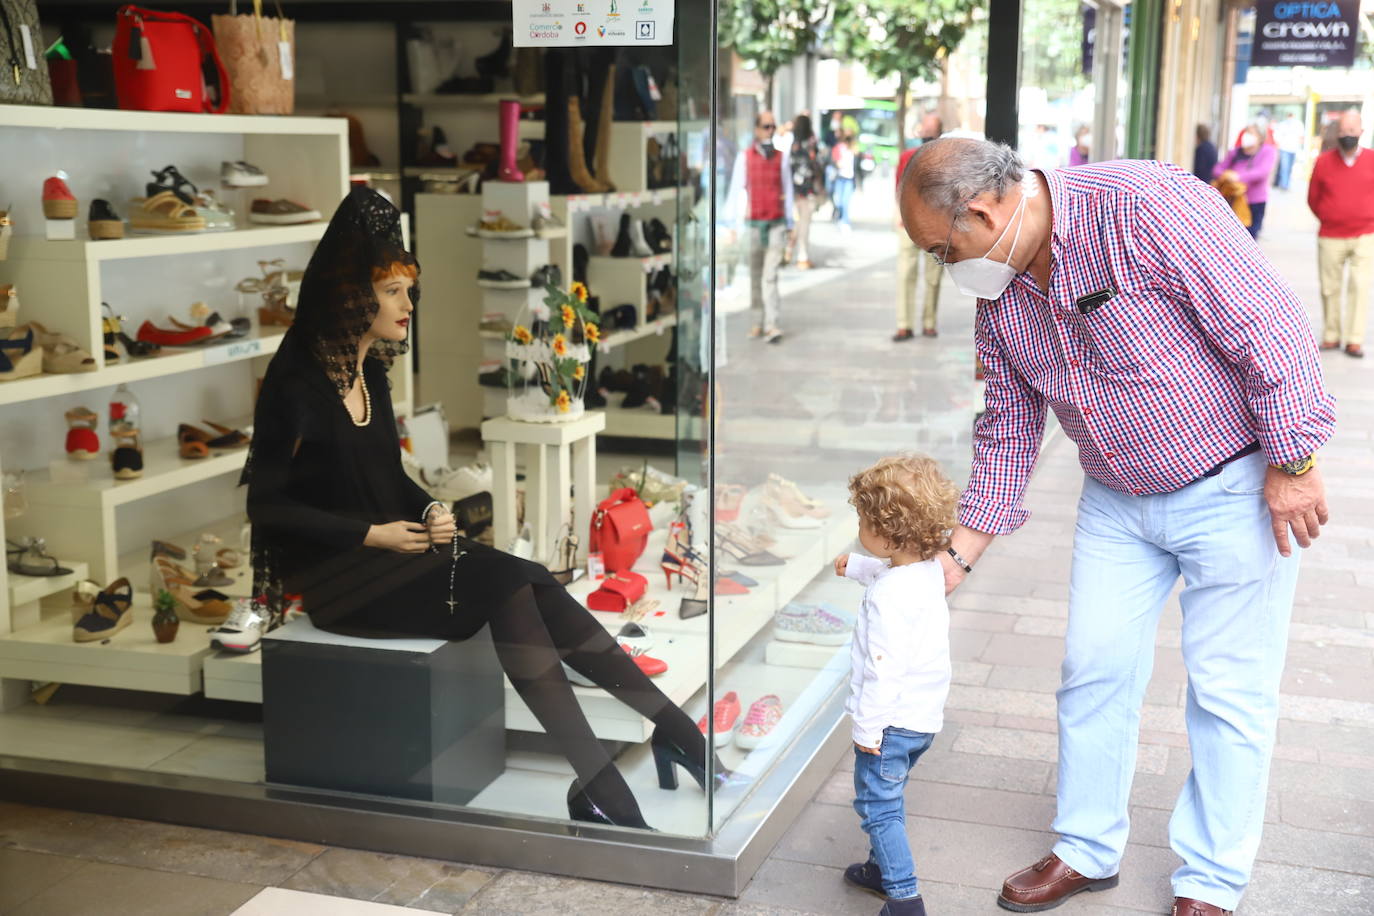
<point x="949" y="172"/>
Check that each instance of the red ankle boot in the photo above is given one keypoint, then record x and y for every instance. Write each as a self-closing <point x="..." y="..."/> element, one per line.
<point x="510" y="141"/>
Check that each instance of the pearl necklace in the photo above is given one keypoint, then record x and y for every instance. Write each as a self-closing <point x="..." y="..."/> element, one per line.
<point x="367" y="404"/>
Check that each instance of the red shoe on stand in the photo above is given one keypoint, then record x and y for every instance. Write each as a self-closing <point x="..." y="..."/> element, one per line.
<point x="726" y="713"/>
<point x="510" y="141"/>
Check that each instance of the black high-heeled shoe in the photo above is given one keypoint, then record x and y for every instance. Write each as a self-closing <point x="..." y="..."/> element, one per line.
<point x="667" y="754"/>
<point x="582" y="808"/>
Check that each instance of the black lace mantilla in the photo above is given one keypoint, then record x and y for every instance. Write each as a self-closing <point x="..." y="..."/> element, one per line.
<point x="335" y="308"/>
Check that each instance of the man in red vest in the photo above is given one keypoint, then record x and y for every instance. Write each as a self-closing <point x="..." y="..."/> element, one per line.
<point x="1341" y="196"/>
<point x="760" y="202"/>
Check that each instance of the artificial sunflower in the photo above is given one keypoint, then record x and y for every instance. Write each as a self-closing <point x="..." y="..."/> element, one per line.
<point x="569" y="316"/>
<point x="592" y="332"/>
<point x="579" y="373"/>
<point x="564" y="402"/>
<point x="522" y="334"/>
<point x="579" y="289"/>
<point x="560" y="345"/>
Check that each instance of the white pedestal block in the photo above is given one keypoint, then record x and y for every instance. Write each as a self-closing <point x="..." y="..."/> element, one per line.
<point x="561" y="461"/>
<point x="60" y="230"/>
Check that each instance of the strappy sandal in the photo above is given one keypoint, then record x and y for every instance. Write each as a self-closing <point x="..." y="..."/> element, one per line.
<point x="201" y="607"/>
<point x="114" y="330"/>
<point x="164" y="212"/>
<point x="168" y="549"/>
<point x="61" y="353"/>
<point x="110" y="613"/>
<point x="9" y="305"/>
<point x="31" y="558"/>
<point x="208" y="571"/>
<point x="191" y="442"/>
<point x="19" y="358"/>
<point x="228" y="558"/>
<point x="83" y="598"/>
<point x="169" y="178"/>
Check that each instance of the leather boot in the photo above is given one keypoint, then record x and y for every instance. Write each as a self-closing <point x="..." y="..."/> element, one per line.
<point x="639" y="245"/>
<point x="605" y="111"/>
<point x="624" y="245"/>
<point x="557" y="83"/>
<point x="510" y="141"/>
<point x="577" y="158"/>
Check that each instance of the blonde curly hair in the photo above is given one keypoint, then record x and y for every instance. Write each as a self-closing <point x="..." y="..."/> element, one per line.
<point x="908" y="502"/>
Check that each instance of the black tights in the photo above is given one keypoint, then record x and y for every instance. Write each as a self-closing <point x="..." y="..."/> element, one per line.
<point x="534" y="629"/>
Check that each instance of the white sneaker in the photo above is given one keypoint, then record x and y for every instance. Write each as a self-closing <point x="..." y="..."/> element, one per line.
<point x="242" y="631"/>
<point x="241" y="175"/>
<point x="803" y="623"/>
<point x="453" y="484"/>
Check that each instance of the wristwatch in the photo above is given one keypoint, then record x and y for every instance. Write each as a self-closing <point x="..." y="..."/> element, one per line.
<point x="963" y="564"/>
<point x="1297" y="467"/>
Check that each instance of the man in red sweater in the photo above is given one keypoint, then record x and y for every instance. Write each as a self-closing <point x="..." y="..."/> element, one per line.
<point x="1341" y="195"/>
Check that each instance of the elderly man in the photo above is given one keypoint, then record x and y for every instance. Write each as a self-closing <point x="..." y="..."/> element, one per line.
<point x="1341" y="195"/>
<point x="1127" y="298"/>
<point x="760" y="200"/>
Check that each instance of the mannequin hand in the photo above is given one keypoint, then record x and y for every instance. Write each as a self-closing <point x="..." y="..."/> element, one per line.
<point x="841" y="564"/>
<point x="402" y="537"/>
<point x="442" y="526"/>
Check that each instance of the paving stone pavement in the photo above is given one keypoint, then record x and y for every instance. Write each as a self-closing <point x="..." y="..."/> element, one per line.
<point x="981" y="801"/>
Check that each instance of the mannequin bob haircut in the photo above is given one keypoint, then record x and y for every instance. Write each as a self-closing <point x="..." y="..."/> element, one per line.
<point x="395" y="269"/>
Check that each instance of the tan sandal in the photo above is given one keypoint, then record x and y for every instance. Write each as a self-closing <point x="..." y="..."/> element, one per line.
<point x="164" y="212"/>
<point x="229" y="558"/>
<point x="9" y="305"/>
<point x="61" y="353"/>
<point x="206" y="606"/>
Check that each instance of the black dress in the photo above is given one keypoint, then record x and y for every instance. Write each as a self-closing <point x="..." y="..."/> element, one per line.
<point x="320" y="481"/>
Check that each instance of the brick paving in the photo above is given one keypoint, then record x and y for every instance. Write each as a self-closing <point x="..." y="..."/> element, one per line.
<point x="980" y="802"/>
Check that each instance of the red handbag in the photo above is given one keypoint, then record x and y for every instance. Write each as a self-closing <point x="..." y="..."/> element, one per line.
<point x="620" y="529"/>
<point x="618" y="592"/>
<point x="158" y="60"/>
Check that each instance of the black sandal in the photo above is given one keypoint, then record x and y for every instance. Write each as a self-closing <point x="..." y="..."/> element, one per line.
<point x="170" y="179"/>
<point x="32" y="559"/>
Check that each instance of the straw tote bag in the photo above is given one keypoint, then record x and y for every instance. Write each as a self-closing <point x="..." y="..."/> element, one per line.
<point x="23" y="72"/>
<point x="260" y="54"/>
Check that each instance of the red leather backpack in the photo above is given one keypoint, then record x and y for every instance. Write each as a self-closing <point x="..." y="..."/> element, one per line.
<point x="620" y="529"/>
<point x="157" y="62"/>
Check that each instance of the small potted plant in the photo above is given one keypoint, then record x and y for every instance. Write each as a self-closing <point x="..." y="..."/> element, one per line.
<point x="551" y="351"/>
<point x="165" y="620"/>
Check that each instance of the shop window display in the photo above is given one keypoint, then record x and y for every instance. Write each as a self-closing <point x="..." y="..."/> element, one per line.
<point x="613" y="611"/>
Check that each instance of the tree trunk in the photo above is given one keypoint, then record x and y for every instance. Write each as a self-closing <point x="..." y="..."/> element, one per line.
<point x="768" y="99"/>
<point x="903" y="132"/>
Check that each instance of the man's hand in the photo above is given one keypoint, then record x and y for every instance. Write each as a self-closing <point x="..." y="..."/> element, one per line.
<point x="954" y="573"/>
<point x="876" y="752"/>
<point x="1298" y="503"/>
<point x="841" y="564"/>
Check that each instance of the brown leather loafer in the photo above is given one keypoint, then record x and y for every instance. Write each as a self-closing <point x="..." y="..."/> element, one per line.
<point x="1045" y="885"/>
<point x="1187" y="906"/>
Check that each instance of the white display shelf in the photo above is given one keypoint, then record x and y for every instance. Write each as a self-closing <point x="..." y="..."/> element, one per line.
<point x="581" y="203"/>
<point x="23" y="248"/>
<point x="468" y="100"/>
<point x="57" y="118"/>
<point x="234" y="676"/>
<point x="27" y="589"/>
<point x="163" y="470"/>
<point x="645" y="265"/>
<point x="168" y="362"/>
<point x="658" y="326"/>
<point x="639" y="423"/>
<point x="135" y="564"/>
<point x="132" y="659"/>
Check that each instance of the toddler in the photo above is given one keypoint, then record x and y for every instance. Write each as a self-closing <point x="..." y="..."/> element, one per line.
<point x="900" y="655"/>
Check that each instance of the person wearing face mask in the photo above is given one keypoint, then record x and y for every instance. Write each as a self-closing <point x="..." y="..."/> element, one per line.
<point x="760" y="203"/>
<point x="1341" y="195"/>
<point x="1252" y="162"/>
<point x="1127" y="298"/>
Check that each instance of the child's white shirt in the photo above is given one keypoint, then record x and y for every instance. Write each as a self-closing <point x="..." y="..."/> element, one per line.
<point x="900" y="654"/>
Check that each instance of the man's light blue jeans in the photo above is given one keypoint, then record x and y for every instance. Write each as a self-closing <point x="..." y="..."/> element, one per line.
<point x="1237" y="598"/>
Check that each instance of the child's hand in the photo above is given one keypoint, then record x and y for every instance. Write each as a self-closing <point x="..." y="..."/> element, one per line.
<point x="876" y="752"/>
<point x="841" y="564"/>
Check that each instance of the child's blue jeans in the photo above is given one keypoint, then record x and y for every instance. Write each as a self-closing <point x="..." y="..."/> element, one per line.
<point x="879" y="781"/>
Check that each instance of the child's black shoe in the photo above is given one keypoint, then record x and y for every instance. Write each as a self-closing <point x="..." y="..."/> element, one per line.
<point x="909" y="906"/>
<point x="867" y="876"/>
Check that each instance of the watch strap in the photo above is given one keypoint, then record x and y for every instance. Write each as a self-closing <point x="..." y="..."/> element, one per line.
<point x="963" y="564"/>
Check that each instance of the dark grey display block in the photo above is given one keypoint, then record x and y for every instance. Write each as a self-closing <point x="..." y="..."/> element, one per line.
<point x="408" y="718"/>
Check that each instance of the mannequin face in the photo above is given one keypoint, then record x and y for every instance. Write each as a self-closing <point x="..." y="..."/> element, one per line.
<point x="393" y="307"/>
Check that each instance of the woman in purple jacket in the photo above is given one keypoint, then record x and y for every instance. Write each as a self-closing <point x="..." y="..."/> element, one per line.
<point x="1253" y="163"/>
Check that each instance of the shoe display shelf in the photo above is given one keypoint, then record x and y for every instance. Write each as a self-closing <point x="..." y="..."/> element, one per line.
<point x="628" y="163"/>
<point x="80" y="511"/>
<point x="471" y="100"/>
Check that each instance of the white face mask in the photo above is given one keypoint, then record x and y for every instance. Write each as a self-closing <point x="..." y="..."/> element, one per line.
<point x="984" y="277"/>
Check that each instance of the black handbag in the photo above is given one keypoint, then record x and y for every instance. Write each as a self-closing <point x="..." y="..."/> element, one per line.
<point x="474" y="513"/>
<point x="24" y="78"/>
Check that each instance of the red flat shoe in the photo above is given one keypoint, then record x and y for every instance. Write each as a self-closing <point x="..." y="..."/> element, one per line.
<point x="730" y="587"/>
<point x="652" y="667"/>
<point x="58" y="200"/>
<point x="1354" y="350"/>
<point x="150" y="333"/>
<point x="1331" y="345"/>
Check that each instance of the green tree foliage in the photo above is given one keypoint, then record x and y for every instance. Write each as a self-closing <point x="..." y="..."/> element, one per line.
<point x="770" y="34"/>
